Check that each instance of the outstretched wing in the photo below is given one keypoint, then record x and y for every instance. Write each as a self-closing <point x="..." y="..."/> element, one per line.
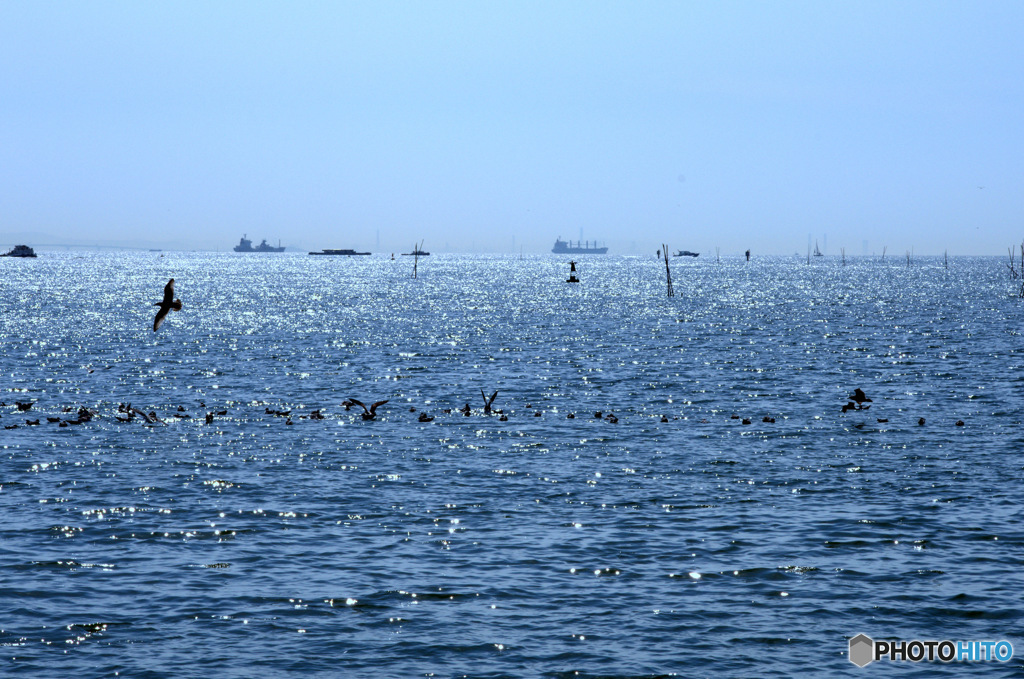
<point x="373" y="408"/>
<point x="168" y="293"/>
<point x="359" y="403"/>
<point x="161" y="314"/>
<point x="490" y="401"/>
<point x="136" y="411"/>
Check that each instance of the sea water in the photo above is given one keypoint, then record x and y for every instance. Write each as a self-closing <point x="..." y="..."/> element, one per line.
<point x="544" y="540"/>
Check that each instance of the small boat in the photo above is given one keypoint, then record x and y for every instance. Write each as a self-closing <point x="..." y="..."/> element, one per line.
<point x="20" y="251"/>
<point x="417" y="253"/>
<point x="245" y="245"/>
<point x="326" y="251"/>
<point x="686" y="253"/>
<point x="817" y="252"/>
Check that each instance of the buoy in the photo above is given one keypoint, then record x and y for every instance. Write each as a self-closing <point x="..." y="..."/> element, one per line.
<point x="572" y="274"/>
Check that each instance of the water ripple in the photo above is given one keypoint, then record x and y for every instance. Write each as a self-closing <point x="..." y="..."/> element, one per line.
<point x="670" y="487"/>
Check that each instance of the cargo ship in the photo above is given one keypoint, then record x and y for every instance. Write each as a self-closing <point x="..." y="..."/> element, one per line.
<point x="567" y="248"/>
<point x="245" y="245"/>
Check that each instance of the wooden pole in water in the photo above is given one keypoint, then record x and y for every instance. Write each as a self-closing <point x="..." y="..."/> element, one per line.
<point x="1022" y="268"/>
<point x="668" y="273"/>
<point x="843" y="251"/>
<point x="416" y="257"/>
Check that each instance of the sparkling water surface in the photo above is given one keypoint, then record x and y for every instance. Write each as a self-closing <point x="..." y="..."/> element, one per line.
<point x="669" y="539"/>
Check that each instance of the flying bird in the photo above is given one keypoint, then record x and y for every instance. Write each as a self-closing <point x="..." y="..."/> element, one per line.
<point x="166" y="305"/>
<point x="368" y="413"/>
<point x="859" y="396"/>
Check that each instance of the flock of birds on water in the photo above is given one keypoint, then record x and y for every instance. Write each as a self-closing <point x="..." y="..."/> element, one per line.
<point x="126" y="412"/>
<point x="857" y="401"/>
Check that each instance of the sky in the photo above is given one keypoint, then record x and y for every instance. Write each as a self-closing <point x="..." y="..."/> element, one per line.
<point x="499" y="126"/>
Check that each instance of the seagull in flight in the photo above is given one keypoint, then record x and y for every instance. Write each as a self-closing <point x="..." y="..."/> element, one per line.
<point x="859" y="396"/>
<point x="166" y="305"/>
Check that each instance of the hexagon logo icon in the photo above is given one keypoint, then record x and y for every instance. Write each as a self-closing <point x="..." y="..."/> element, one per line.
<point x="862" y="650"/>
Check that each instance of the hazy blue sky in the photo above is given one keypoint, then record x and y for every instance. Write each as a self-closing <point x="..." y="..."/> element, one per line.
<point x="501" y="125"/>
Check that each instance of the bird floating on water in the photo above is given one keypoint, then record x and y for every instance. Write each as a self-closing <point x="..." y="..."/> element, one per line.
<point x="166" y="305"/>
